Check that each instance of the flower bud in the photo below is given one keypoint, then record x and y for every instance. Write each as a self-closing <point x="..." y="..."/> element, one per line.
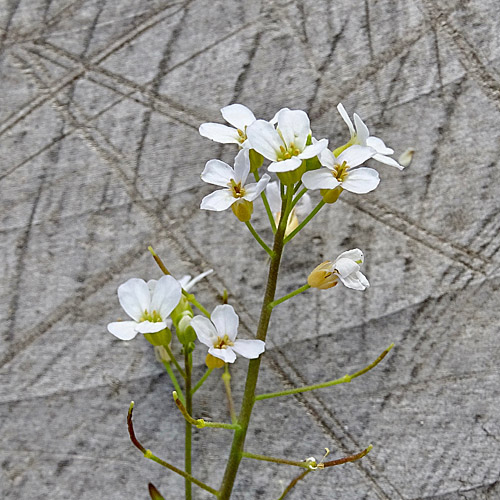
<point x="243" y="209"/>
<point x="184" y="330"/>
<point x="163" y="337"/>
<point x="322" y="276"/>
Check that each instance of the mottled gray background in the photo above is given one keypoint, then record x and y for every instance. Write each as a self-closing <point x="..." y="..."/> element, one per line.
<point x="100" y="102"/>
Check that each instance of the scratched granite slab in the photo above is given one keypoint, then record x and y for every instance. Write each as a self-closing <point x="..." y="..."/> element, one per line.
<point x="100" y="156"/>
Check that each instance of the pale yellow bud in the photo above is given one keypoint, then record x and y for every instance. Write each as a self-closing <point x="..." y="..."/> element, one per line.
<point x="322" y="276"/>
<point x="213" y="362"/>
<point x="243" y="210"/>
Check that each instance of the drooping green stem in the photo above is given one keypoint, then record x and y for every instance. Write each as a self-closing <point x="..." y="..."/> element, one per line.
<point x="174" y="361"/>
<point x="173" y="378"/>
<point x="289" y="295"/>
<point x="199" y="422"/>
<point x="259" y="240"/>
<point x="265" y="458"/>
<point x="293" y="482"/>
<point x="254" y="364"/>
<point x="342" y="380"/>
<point x="314" y="211"/>
<point x="188" y="428"/>
<point x="266" y="205"/>
<point x="148" y="454"/>
<point x="202" y="380"/>
<point x="226" y="377"/>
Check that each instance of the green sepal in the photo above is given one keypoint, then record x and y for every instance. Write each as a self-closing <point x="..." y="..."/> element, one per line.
<point x="293" y="176"/>
<point x="163" y="337"/>
<point x="331" y="195"/>
<point x="180" y="309"/>
<point x="256" y="160"/>
<point x="183" y="329"/>
<point x="243" y="209"/>
<point x="341" y="149"/>
<point x="154" y="493"/>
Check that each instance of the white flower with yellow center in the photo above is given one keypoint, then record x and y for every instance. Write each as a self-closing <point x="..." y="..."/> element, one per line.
<point x="233" y="180"/>
<point x="239" y="116"/>
<point x="286" y="145"/>
<point x="219" y="334"/>
<point x="340" y="171"/>
<point x="148" y="304"/>
<point x="361" y="135"/>
<point x="301" y="209"/>
<point x="345" y="268"/>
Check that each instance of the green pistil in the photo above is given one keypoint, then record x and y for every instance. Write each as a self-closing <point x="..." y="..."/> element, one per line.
<point x="341" y="172"/>
<point x="153" y="316"/>
<point x="237" y="190"/>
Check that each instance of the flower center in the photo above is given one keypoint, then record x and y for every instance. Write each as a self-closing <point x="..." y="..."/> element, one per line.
<point x="243" y="135"/>
<point x="341" y="172"/>
<point x="287" y="153"/>
<point x="153" y="316"/>
<point x="237" y="190"/>
<point x="223" y="343"/>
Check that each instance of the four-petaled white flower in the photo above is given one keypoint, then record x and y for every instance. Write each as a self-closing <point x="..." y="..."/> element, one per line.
<point x="148" y="304"/>
<point x="302" y="208"/>
<point x="221" y="174"/>
<point x="346" y="267"/>
<point x="237" y="115"/>
<point x="340" y="171"/>
<point x="361" y="135"/>
<point x="219" y="334"/>
<point x="284" y="145"/>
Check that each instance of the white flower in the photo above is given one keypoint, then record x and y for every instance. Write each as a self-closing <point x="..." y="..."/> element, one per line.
<point x="301" y="209"/>
<point x="345" y="267"/>
<point x="361" y="135"/>
<point x="187" y="283"/>
<point x="148" y="304"/>
<point x="219" y="335"/>
<point x="221" y="174"/>
<point x="237" y="115"/>
<point x="284" y="145"/>
<point x="338" y="171"/>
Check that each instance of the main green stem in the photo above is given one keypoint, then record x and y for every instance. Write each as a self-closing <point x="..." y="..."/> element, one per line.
<point x="235" y="455"/>
<point x="188" y="434"/>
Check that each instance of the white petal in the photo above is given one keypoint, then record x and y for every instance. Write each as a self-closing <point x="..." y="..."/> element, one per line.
<point x="152" y="285"/>
<point x="274" y="120"/>
<point x="250" y="349"/>
<point x="124" y="330"/>
<point x="227" y="355"/>
<point x="388" y="161"/>
<point x="226" y="321"/>
<point x="345" y="117"/>
<point x="378" y="145"/>
<point x="218" y="173"/>
<point x="166" y="296"/>
<point x="273" y="197"/>
<point x="218" y="200"/>
<point x="355" y="155"/>
<point x="205" y="330"/>
<point x="353" y="281"/>
<point x="264" y="139"/>
<point x="134" y="297"/>
<point x="327" y="159"/>
<point x="314" y="149"/>
<point x="345" y="267"/>
<point x="252" y="191"/>
<point x="188" y="283"/>
<point x="219" y="133"/>
<point x="361" y="180"/>
<point x="238" y="115"/>
<point x="150" y="327"/>
<point x="355" y="254"/>
<point x="295" y="127"/>
<point x="292" y="163"/>
<point x="320" y="179"/>
<point x="362" y="279"/>
<point x="242" y="166"/>
<point x="362" y="131"/>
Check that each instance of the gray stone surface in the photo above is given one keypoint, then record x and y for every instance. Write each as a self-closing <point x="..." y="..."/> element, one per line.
<point x="100" y="101"/>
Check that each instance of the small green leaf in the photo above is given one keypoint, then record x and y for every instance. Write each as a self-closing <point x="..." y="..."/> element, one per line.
<point x="154" y="493"/>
